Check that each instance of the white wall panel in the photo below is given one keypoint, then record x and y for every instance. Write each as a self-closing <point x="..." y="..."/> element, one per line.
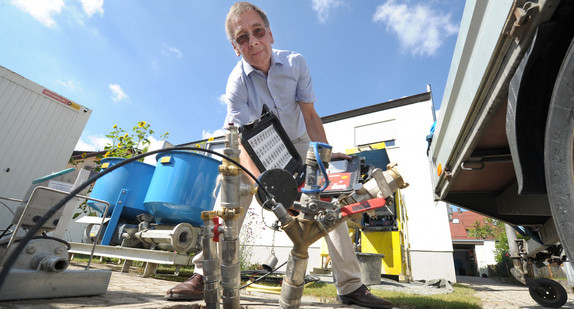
<point x="38" y="132"/>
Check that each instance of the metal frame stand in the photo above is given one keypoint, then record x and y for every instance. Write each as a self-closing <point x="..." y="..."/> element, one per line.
<point x="50" y="279"/>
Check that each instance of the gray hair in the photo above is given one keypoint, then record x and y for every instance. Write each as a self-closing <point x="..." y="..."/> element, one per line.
<point x="237" y="9"/>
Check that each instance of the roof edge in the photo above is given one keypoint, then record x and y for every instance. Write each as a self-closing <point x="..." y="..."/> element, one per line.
<point x="421" y="97"/>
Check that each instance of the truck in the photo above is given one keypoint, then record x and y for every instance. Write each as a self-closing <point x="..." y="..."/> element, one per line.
<point x="503" y="143"/>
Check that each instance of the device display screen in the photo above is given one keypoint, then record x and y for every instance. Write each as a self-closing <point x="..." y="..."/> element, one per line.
<point x="270" y="149"/>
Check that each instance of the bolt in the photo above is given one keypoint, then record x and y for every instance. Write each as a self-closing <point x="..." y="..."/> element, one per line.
<point x="36" y="218"/>
<point x="55" y="222"/>
<point x="30" y="249"/>
<point x="330" y="215"/>
<point x="313" y="207"/>
<point x="58" y="250"/>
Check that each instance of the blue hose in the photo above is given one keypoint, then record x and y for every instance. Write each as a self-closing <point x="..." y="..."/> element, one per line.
<point x="321" y="167"/>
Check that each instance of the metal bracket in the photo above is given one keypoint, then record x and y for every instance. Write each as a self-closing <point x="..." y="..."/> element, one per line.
<point x="113" y="223"/>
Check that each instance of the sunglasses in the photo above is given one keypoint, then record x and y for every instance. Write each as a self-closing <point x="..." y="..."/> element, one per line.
<point x="257" y="33"/>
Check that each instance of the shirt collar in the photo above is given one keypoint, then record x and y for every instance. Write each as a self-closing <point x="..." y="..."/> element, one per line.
<point x="274" y="60"/>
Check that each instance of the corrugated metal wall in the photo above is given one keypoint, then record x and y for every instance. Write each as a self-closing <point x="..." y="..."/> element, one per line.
<point x="38" y="132"/>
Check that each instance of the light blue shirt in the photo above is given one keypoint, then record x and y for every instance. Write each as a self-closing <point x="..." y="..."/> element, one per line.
<point x="287" y="82"/>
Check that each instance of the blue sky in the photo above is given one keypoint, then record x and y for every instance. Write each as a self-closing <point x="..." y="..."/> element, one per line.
<point x="166" y="62"/>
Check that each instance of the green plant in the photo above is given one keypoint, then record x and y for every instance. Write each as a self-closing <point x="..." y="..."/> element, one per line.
<point x="125" y="145"/>
<point x="75" y="162"/>
<point x="121" y="145"/>
<point x="247" y="237"/>
<point x="490" y="228"/>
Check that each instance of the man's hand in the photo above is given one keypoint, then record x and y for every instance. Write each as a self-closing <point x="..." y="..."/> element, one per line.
<point x="340" y="155"/>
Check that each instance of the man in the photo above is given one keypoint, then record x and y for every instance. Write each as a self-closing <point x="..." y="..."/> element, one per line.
<point x="281" y="80"/>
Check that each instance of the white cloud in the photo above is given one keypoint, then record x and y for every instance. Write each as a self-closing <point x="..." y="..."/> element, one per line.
<point x="420" y="28"/>
<point x="221" y="100"/>
<point x="99" y="142"/>
<point x="92" y="7"/>
<point x="118" y="92"/>
<point x="216" y="133"/>
<point x="92" y="143"/>
<point x="324" y="8"/>
<point x="68" y="84"/>
<point x="45" y="10"/>
<point x="170" y="50"/>
<point x="42" y="10"/>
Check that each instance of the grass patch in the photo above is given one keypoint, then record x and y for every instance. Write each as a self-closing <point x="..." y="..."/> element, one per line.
<point x="462" y="297"/>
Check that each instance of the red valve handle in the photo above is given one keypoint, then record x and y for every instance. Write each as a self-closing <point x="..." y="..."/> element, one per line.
<point x="360" y="207"/>
<point x="216" y="229"/>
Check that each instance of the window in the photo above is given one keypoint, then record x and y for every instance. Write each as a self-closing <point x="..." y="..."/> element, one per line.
<point x="383" y="131"/>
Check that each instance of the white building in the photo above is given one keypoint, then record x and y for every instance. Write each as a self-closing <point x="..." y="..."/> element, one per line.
<point x="471" y="256"/>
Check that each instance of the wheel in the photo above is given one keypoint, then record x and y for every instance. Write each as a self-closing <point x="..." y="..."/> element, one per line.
<point x="558" y="153"/>
<point x="549" y="293"/>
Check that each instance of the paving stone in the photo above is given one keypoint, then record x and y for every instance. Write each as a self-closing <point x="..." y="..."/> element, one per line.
<point x="133" y="291"/>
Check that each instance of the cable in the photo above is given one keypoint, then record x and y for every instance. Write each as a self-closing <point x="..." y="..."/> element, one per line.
<point x="7" y="207"/>
<point x="6" y="230"/>
<point x="267" y="274"/>
<point x="34" y="230"/>
<point x="273" y="289"/>
<point x="43" y="236"/>
<point x="203" y="140"/>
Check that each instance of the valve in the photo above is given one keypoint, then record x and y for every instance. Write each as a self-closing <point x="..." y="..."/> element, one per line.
<point x="318" y="157"/>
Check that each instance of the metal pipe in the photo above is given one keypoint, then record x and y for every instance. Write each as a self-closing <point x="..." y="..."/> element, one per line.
<point x="230" y="266"/>
<point x="50" y="263"/>
<point x="303" y="231"/>
<point x="183" y="237"/>
<point x="211" y="262"/>
<point x="228" y="270"/>
<point x="47" y="254"/>
<point x="293" y="282"/>
<point x="231" y="212"/>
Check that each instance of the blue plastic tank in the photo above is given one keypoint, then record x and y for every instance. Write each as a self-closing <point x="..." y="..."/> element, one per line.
<point x="182" y="187"/>
<point x="133" y="177"/>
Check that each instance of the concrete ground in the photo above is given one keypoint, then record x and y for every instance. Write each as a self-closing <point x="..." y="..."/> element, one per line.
<point x="497" y="295"/>
<point x="133" y="291"/>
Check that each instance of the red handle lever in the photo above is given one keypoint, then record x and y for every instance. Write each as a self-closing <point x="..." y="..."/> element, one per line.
<point x="216" y="229"/>
<point x="360" y="207"/>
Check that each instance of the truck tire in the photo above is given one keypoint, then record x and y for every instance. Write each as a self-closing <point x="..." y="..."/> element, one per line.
<point x="548" y="293"/>
<point x="559" y="153"/>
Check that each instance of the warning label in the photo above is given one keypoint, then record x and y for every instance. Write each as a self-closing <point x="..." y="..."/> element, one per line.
<point x="60" y="99"/>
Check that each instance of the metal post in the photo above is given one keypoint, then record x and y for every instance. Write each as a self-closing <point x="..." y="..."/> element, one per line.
<point x="231" y="212"/>
<point x="211" y="262"/>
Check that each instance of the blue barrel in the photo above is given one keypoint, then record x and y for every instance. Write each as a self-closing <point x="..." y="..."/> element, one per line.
<point x="182" y="187"/>
<point x="133" y="177"/>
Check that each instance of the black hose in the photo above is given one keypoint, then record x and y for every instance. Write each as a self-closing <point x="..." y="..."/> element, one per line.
<point x="260" y="278"/>
<point x="23" y="241"/>
<point x="202" y="140"/>
<point x="7" y="207"/>
<point x="6" y="230"/>
<point x="41" y="237"/>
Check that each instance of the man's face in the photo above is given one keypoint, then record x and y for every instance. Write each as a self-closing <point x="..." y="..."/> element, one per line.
<point x="257" y="51"/>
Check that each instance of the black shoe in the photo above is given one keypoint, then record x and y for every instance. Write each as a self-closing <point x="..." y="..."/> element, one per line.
<point x="191" y="289"/>
<point x="363" y="297"/>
